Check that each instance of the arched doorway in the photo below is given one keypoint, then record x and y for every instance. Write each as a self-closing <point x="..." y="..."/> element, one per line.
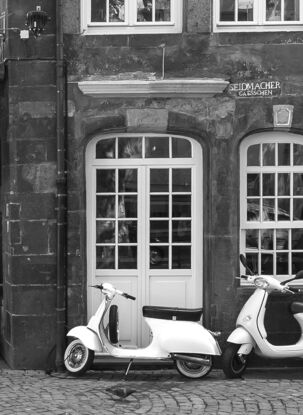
<point x="144" y="223"/>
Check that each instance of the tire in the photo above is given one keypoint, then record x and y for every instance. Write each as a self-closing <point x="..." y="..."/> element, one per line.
<point x="233" y="366"/>
<point x="113" y="324"/>
<point x="78" y="358"/>
<point x="194" y="370"/>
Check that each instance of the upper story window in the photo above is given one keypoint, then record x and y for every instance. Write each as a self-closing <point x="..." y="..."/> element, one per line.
<point x="258" y="15"/>
<point x="131" y="16"/>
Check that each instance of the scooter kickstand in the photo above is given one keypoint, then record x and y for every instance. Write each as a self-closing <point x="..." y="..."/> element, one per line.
<point x="128" y="367"/>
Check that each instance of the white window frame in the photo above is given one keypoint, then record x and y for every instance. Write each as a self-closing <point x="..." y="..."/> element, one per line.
<point x="259" y="24"/>
<point x="195" y="162"/>
<point x="130" y="26"/>
<point x="261" y="138"/>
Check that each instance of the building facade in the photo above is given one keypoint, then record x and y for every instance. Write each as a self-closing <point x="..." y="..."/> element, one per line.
<point x="147" y="144"/>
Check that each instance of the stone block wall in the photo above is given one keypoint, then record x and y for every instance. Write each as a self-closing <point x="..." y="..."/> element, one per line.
<point x="29" y="189"/>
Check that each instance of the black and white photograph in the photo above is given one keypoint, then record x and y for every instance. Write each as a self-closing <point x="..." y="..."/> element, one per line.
<point x="151" y="203"/>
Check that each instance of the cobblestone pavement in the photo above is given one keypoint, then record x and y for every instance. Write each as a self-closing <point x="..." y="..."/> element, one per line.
<point x="161" y="391"/>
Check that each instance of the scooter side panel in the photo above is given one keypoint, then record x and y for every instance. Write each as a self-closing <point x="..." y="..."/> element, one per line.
<point x="87" y="337"/>
<point x="187" y="337"/>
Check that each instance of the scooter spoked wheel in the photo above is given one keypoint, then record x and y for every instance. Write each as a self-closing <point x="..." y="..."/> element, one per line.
<point x="194" y="370"/>
<point x="78" y="358"/>
<point x="233" y="365"/>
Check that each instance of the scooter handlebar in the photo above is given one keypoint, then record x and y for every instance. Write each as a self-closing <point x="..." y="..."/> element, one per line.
<point x="128" y="296"/>
<point x="294" y="290"/>
<point x="99" y="287"/>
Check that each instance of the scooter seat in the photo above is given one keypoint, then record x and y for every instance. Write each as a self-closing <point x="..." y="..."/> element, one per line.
<point x="296" y="307"/>
<point x="172" y="313"/>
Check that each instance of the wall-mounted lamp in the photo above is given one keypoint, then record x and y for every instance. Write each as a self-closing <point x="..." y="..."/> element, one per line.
<point x="36" y="21"/>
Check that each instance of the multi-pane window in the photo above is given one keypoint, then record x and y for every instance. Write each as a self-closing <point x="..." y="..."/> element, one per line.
<point x="131" y="16"/>
<point x="258" y="15"/>
<point x="272" y="204"/>
<point x="146" y="171"/>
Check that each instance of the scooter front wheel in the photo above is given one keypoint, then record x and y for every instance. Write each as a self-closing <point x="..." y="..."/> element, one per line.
<point x="78" y="358"/>
<point x="194" y="370"/>
<point x="233" y="364"/>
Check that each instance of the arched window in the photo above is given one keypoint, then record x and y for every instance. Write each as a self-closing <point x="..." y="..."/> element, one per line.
<point x="271" y="203"/>
<point x="118" y="194"/>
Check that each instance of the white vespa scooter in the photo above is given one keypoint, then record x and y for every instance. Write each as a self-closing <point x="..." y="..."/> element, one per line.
<point x="176" y="335"/>
<point x="250" y="332"/>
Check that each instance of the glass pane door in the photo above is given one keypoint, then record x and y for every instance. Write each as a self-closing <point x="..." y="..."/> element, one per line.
<point x="116" y="218"/>
<point x="144" y="224"/>
<point x="170" y="223"/>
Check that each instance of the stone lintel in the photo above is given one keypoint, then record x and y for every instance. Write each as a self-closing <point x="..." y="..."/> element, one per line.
<point x="147" y="119"/>
<point x="166" y="88"/>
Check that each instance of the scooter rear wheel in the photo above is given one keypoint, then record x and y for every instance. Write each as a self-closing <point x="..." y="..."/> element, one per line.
<point x="233" y="365"/>
<point x="78" y="358"/>
<point x="194" y="370"/>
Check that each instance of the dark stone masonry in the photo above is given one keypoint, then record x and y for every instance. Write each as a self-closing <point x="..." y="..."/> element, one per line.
<point x="217" y="121"/>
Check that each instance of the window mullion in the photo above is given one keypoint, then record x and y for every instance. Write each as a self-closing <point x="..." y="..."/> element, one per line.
<point x="87" y="12"/>
<point x="107" y="11"/>
<point x="259" y="13"/>
<point x="274" y="254"/>
<point x="291" y="184"/>
<point x="130" y="12"/>
<point x="153" y="11"/>
<point x="236" y="11"/>
<point x="261" y="195"/>
<point x="116" y="218"/>
<point x="289" y="252"/>
<point x="170" y="223"/>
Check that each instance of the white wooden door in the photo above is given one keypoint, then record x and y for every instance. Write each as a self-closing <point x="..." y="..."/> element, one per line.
<point x="144" y="224"/>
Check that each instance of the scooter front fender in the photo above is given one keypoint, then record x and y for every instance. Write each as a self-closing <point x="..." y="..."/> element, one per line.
<point x="87" y="337"/>
<point x="241" y="336"/>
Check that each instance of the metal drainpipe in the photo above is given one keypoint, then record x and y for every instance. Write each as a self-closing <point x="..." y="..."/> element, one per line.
<point x="61" y="193"/>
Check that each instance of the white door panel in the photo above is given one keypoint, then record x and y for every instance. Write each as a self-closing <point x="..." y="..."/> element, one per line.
<point x="170" y="292"/>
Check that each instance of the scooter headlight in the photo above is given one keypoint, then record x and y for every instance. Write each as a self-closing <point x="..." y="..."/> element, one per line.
<point x="261" y="283"/>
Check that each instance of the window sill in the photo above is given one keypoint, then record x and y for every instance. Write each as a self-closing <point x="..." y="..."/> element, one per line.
<point x="251" y="28"/>
<point x="166" y="88"/>
<point x="131" y="30"/>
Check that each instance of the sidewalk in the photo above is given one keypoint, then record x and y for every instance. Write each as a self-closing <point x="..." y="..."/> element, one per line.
<point x="161" y="391"/>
